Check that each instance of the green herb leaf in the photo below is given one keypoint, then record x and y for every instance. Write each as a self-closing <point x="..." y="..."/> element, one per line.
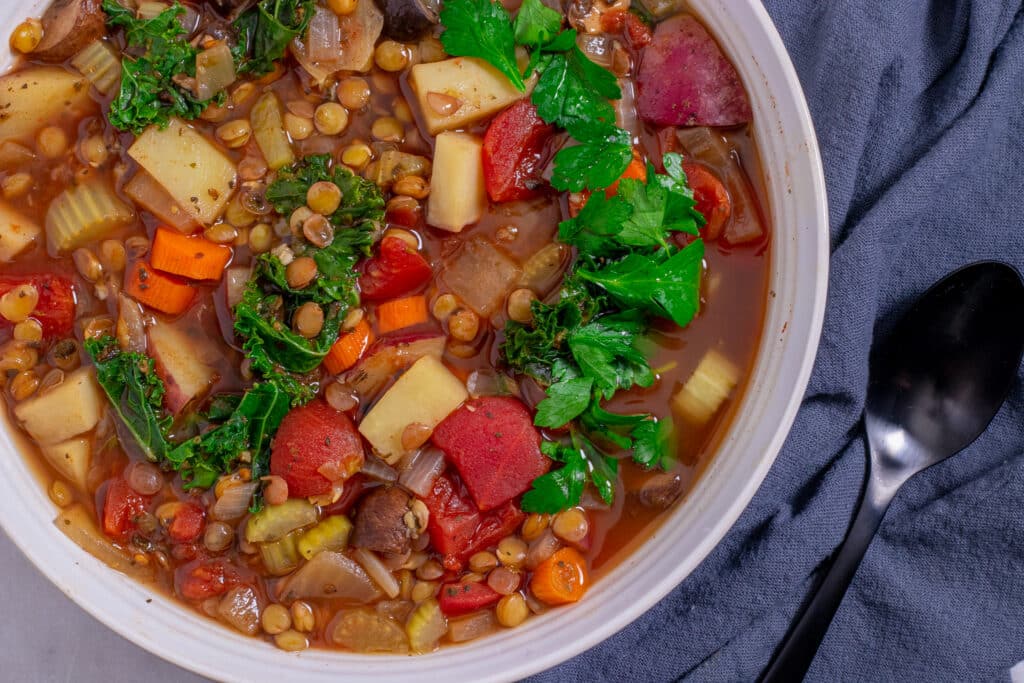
<point x="592" y="165"/>
<point x="565" y="400"/>
<point x="668" y="287"/>
<point x="536" y="24"/>
<point x="573" y="93"/>
<point x="481" y="28"/>
<point x="605" y="350"/>
<point x="562" y="488"/>
<point x="652" y="442"/>
<point x="148" y="94"/>
<point x="264" y="31"/>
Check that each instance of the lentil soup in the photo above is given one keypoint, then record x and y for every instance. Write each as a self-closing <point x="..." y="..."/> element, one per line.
<point x="374" y="325"/>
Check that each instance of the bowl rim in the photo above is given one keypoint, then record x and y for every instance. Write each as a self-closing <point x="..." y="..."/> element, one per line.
<point x="145" y="616"/>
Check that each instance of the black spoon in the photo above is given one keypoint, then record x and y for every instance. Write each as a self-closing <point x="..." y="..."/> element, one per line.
<point x="934" y="386"/>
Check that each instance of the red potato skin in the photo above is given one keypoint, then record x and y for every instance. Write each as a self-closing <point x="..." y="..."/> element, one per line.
<point x="456" y="599"/>
<point x="458" y="528"/>
<point x="56" y="308"/>
<point x="396" y="270"/>
<point x="513" y="153"/>
<point x="495" y="447"/>
<point x="685" y="80"/>
<point x="312" y="437"/>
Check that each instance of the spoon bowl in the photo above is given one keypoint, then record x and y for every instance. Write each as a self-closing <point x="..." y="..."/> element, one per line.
<point x="935" y="384"/>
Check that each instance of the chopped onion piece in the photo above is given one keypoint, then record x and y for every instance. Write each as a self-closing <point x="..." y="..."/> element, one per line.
<point x="215" y="70"/>
<point x="471" y="626"/>
<point x="330" y="575"/>
<point x="323" y="42"/>
<point x="363" y="630"/>
<point x="378" y="469"/>
<point x="422" y="470"/>
<point x="377" y="571"/>
<point x="241" y="608"/>
<point x="76" y="523"/>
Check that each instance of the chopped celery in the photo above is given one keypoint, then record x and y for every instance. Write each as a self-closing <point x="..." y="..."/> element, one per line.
<point x="706" y="390"/>
<point x="86" y="212"/>
<point x="274" y="522"/>
<point x="100" y="64"/>
<point x="330" y="534"/>
<point x="282" y="556"/>
<point x="425" y="627"/>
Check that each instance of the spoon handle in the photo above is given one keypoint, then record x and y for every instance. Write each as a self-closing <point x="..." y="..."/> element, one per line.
<point x="794" y="657"/>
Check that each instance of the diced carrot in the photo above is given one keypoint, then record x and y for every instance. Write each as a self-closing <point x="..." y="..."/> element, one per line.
<point x="711" y="196"/>
<point x="349" y="348"/>
<point x="191" y="256"/>
<point x="637" y="170"/>
<point x="165" y="293"/>
<point x="400" y="313"/>
<point x="561" y="579"/>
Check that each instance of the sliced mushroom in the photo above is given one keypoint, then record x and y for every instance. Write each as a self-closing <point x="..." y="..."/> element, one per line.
<point x="380" y="523"/>
<point x="68" y="26"/>
<point x="406" y="20"/>
<point x="661" y="490"/>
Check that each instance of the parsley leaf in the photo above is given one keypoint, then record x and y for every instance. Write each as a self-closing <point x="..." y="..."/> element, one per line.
<point x="668" y="287"/>
<point x="565" y="400"/>
<point x="573" y="93"/>
<point x="536" y="24"/>
<point x="481" y="28"/>
<point x="264" y="31"/>
<point x="594" y="164"/>
<point x="148" y="94"/>
<point x="652" y="442"/>
<point x="563" y="488"/>
<point x="605" y="350"/>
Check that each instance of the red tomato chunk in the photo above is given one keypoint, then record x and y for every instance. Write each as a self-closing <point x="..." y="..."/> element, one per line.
<point x="396" y="270"/>
<point x="187" y="524"/>
<point x="315" y="447"/>
<point x="514" y="153"/>
<point x="205" y="579"/>
<point x="495" y="447"/>
<point x="462" y="598"/>
<point x="121" y="507"/>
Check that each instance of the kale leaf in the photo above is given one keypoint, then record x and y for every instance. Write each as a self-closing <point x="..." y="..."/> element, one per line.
<point x="148" y="94"/>
<point x="264" y="31"/>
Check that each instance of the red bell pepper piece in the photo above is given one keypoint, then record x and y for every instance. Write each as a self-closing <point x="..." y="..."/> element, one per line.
<point x="396" y="270"/>
<point x="56" y="308"/>
<point x="458" y="528"/>
<point x="514" y="153"/>
<point x="492" y="442"/>
<point x="462" y="598"/>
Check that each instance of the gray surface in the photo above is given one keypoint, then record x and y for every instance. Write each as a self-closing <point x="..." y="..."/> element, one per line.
<point x="47" y="638"/>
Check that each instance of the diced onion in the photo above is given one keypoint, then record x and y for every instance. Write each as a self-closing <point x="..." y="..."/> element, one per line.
<point x="471" y="626"/>
<point x="215" y="71"/>
<point x="323" y="42"/>
<point x="234" y="503"/>
<point x="422" y="470"/>
<point x="378" y="469"/>
<point x="377" y="571"/>
<point x="241" y="608"/>
<point x="76" y="523"/>
<point x="330" y="575"/>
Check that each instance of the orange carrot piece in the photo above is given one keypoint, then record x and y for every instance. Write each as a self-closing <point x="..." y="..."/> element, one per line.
<point x="637" y="170"/>
<point x="711" y="196"/>
<point x="194" y="257"/>
<point x="349" y="348"/>
<point x="165" y="293"/>
<point x="561" y="579"/>
<point x="398" y="313"/>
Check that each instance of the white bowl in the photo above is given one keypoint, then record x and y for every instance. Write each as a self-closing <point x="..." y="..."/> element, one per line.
<point x="796" y="191"/>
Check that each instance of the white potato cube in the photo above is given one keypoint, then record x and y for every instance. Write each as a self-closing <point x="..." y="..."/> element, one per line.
<point x="69" y="409"/>
<point x="479" y="89"/>
<point x="17" y="233"/>
<point x="71" y="458"/>
<point x="457" y="193"/>
<point x="426" y="394"/>
<point x="37" y="96"/>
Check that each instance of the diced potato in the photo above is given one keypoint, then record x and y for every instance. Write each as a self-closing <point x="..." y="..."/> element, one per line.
<point x="197" y="175"/>
<point x="481" y="275"/>
<point x="16" y="232"/>
<point x="39" y="96"/>
<point x="268" y="130"/>
<point x="151" y="195"/>
<point x="457" y="193"/>
<point x="72" y="407"/>
<point x="426" y="394"/>
<point x="71" y="458"/>
<point x="99" y="63"/>
<point x="181" y="362"/>
<point x="706" y="390"/>
<point x="479" y="89"/>
<point x="84" y="213"/>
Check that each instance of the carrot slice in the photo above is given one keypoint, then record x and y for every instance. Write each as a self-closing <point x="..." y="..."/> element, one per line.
<point x="711" y="196"/>
<point x="165" y="293"/>
<point x="349" y="348"/>
<point x="561" y="579"/>
<point x="399" y="313"/>
<point x="194" y="257"/>
<point x="637" y="170"/>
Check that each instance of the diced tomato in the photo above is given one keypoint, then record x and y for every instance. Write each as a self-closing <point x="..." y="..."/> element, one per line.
<point x="462" y="598"/>
<point x="396" y="270"/>
<point x="315" y="446"/>
<point x="187" y="523"/>
<point x="121" y="507"/>
<point x="513" y="153"/>
<point x="205" y="579"/>
<point x="711" y="196"/>
<point x="495" y="447"/>
<point x="633" y="29"/>
<point x="56" y="308"/>
<point x="457" y="527"/>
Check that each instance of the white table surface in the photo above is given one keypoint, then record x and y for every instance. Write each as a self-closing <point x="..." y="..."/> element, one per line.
<point x="46" y="638"/>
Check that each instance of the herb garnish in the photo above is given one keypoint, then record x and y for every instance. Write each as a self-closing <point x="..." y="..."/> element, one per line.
<point x="264" y="31"/>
